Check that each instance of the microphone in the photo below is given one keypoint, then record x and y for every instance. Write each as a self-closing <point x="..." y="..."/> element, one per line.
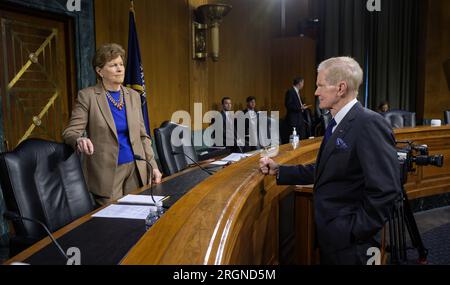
<point x="195" y="162"/>
<point x="138" y="157"/>
<point x="236" y="141"/>
<point x="14" y="217"/>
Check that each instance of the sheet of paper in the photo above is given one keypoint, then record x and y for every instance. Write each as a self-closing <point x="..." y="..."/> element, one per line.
<point x="140" y="199"/>
<point x="124" y="212"/>
<point x="219" y="162"/>
<point x="236" y="157"/>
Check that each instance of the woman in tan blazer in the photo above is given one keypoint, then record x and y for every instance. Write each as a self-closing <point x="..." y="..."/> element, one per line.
<point x="111" y="116"/>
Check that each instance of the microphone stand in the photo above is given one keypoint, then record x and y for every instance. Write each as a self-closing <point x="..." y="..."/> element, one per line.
<point x="236" y="141"/>
<point x="138" y="157"/>
<point x="195" y="162"/>
<point x="14" y="217"/>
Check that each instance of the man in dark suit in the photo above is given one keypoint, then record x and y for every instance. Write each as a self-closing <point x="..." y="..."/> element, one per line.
<point x="294" y="106"/>
<point x="356" y="175"/>
<point x="228" y="125"/>
<point x="251" y="125"/>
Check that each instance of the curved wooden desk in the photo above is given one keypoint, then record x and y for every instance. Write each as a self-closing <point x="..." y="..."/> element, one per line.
<point x="429" y="180"/>
<point x="232" y="217"/>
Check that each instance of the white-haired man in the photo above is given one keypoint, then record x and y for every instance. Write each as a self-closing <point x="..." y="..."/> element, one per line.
<point x="356" y="175"/>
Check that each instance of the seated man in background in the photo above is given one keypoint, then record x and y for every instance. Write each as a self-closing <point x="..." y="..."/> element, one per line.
<point x="228" y="125"/>
<point x="383" y="107"/>
<point x="251" y="125"/>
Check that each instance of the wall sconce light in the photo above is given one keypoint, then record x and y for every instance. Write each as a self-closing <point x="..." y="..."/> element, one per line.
<point x="207" y="17"/>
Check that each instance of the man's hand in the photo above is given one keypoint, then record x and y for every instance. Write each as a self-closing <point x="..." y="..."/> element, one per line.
<point x="268" y="166"/>
<point x="84" y="145"/>
<point x="156" y="177"/>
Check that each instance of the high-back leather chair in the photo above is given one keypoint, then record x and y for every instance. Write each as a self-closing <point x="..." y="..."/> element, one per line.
<point x="400" y="119"/>
<point x="447" y="117"/>
<point x="284" y="131"/>
<point x="308" y="122"/>
<point x="43" y="180"/>
<point x="272" y="132"/>
<point x="173" y="158"/>
<point x="322" y="118"/>
<point x="322" y="123"/>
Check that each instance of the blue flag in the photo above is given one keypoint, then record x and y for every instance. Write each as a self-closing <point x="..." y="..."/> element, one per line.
<point x="134" y="73"/>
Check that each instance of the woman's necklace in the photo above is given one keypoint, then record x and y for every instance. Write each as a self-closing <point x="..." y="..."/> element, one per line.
<point x="118" y="105"/>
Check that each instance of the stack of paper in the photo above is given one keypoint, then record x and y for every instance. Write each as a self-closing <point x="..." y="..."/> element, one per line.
<point x="141" y="199"/>
<point x="219" y="162"/>
<point x="236" y="157"/>
<point x="125" y="212"/>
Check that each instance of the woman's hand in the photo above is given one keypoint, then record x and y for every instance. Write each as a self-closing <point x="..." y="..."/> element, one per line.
<point x="156" y="177"/>
<point x="84" y="145"/>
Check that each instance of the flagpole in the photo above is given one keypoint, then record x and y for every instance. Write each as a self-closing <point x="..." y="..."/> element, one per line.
<point x="134" y="74"/>
<point x="132" y="6"/>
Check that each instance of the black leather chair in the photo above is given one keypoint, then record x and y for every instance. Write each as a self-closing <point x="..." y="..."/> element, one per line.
<point x="322" y="118"/>
<point x="322" y="122"/>
<point x="447" y="117"/>
<point x="173" y="158"/>
<point x="284" y="131"/>
<point x="43" y="180"/>
<point x="272" y="133"/>
<point x="308" y="123"/>
<point x="400" y="119"/>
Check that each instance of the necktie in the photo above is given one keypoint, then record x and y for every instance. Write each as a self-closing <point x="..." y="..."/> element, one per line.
<point x="299" y="98"/>
<point x="329" y="131"/>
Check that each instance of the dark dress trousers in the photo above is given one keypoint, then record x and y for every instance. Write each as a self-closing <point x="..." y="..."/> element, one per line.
<point x="294" y="116"/>
<point x="356" y="181"/>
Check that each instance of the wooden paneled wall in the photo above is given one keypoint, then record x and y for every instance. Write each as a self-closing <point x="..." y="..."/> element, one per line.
<point x="174" y="80"/>
<point x="289" y="57"/>
<point x="437" y="93"/>
<point x="244" y="66"/>
<point x="163" y="30"/>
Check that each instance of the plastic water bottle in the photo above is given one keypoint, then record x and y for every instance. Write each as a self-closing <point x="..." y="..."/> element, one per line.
<point x="294" y="139"/>
<point x="154" y="214"/>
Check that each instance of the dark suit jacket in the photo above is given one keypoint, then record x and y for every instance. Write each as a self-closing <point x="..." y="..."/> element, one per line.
<point x="294" y="116"/>
<point x="224" y="130"/>
<point x="247" y="146"/>
<point x="356" y="177"/>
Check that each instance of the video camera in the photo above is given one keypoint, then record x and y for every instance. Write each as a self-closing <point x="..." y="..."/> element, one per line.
<point x="412" y="153"/>
<point x="402" y="215"/>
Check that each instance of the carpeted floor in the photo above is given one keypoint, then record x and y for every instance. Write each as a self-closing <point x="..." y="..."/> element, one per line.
<point x="437" y="241"/>
<point x="434" y="226"/>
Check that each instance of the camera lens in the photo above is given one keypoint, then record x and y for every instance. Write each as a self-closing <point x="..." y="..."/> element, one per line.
<point x="437" y="160"/>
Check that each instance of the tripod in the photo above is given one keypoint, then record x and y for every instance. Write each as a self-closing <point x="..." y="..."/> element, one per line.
<point x="401" y="217"/>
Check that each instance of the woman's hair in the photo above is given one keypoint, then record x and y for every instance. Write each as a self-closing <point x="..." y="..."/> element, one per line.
<point x="106" y="53"/>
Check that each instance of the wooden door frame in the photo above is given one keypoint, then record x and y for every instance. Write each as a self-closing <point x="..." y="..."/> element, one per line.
<point x="69" y="44"/>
